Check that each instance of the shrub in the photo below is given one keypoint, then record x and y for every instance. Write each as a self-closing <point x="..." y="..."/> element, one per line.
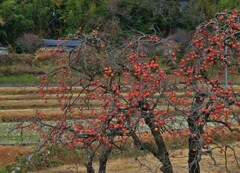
<point x="15" y="59"/>
<point x="44" y="55"/>
<point x="29" y="43"/>
<point x="17" y="64"/>
<point x="23" y="70"/>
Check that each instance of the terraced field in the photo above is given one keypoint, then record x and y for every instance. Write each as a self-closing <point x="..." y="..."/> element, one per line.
<point x="19" y="104"/>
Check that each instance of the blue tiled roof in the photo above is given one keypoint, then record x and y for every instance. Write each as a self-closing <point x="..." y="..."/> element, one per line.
<point x="66" y="43"/>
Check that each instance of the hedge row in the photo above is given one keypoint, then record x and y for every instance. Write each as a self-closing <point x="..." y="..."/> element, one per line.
<point x="17" y="64"/>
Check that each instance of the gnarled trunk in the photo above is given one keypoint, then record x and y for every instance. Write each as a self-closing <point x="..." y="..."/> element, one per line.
<point x="89" y="167"/>
<point x="103" y="160"/>
<point x="162" y="154"/>
<point x="193" y="155"/>
<point x="194" y="145"/>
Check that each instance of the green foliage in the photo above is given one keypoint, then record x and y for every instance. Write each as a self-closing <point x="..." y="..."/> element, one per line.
<point x="229" y="4"/>
<point x="202" y="10"/>
<point x="82" y="13"/>
<point x="6" y="8"/>
<point x="18" y="78"/>
<point x="3" y="171"/>
<point x="21" y="17"/>
<point x="58" y="18"/>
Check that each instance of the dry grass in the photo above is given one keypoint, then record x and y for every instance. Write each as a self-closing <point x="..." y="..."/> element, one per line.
<point x="149" y="163"/>
<point x="38" y="104"/>
<point x="28" y="104"/>
<point x="130" y="165"/>
<point x="13" y="115"/>
<point x="17" y="103"/>
<point x="24" y="90"/>
<point x="123" y="164"/>
<point x="31" y="90"/>
<point x="20" y="115"/>
<point x="20" y="97"/>
<point x="48" y="97"/>
<point x="17" y="90"/>
<point x="49" y="112"/>
<point x="8" y="154"/>
<point x="31" y="97"/>
<point x="9" y="115"/>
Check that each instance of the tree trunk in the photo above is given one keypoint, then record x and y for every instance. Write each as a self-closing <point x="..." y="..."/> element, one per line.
<point x="162" y="154"/>
<point x="193" y="155"/>
<point x="103" y="160"/>
<point x="89" y="161"/>
<point x="194" y="146"/>
<point x="89" y="167"/>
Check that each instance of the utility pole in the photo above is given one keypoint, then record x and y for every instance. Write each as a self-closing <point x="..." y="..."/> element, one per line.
<point x="226" y="68"/>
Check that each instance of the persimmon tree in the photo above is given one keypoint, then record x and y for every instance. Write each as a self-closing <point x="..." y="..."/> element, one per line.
<point x="116" y="93"/>
<point x="210" y="69"/>
<point x="120" y="97"/>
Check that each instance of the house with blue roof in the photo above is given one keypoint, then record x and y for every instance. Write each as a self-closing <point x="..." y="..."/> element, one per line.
<point x="67" y="45"/>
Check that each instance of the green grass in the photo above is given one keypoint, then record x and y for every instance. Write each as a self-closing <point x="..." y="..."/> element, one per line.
<point x="10" y="136"/>
<point x="18" y="78"/>
<point x="3" y="171"/>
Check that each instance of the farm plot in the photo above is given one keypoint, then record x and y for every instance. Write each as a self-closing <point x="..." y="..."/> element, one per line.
<point x="19" y="104"/>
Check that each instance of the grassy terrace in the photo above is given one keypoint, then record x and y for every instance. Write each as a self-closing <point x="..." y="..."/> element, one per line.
<point x="18" y="78"/>
<point x="9" y="135"/>
<point x="19" y="104"/>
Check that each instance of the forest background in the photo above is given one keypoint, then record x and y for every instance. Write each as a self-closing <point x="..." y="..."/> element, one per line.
<point x="61" y="18"/>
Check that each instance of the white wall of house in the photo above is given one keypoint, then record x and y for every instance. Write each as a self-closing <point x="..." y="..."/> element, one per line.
<point x="3" y="51"/>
